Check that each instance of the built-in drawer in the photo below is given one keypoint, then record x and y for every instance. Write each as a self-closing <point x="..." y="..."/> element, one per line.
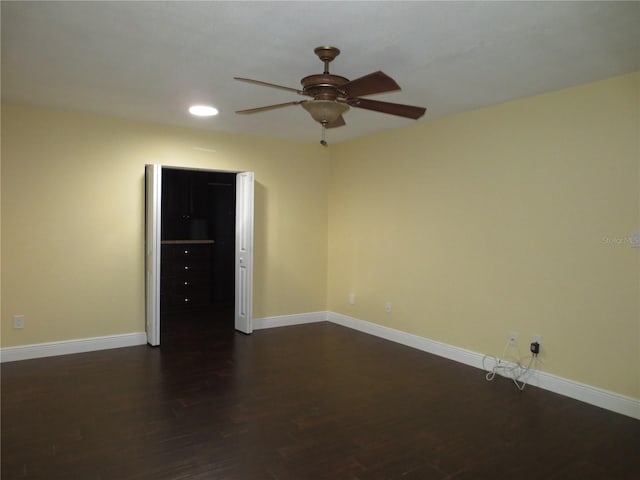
<point x="185" y="272"/>
<point x="185" y="251"/>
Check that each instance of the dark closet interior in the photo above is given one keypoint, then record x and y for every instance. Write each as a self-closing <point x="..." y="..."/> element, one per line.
<point x="198" y="248"/>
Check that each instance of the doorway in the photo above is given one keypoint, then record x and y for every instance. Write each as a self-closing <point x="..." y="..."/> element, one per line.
<point x="199" y="242"/>
<point x="197" y="252"/>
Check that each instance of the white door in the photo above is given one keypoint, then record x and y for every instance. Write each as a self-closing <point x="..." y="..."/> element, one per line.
<point x="153" y="181"/>
<point x="244" y="252"/>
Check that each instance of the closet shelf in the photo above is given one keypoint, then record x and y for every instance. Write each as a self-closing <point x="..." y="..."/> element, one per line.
<point x="187" y="242"/>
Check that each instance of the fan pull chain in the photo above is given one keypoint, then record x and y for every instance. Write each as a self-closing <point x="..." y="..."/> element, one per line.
<point x="323" y="142"/>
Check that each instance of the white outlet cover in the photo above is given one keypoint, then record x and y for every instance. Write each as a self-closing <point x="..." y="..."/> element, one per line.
<point x="18" y="321"/>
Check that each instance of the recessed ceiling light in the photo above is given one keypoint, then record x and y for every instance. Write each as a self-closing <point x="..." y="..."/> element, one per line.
<point x="203" y="110"/>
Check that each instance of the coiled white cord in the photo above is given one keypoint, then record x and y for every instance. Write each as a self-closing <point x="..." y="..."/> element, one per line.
<point x="515" y="371"/>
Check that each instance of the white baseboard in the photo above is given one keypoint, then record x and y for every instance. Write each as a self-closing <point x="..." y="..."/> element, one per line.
<point x="458" y="354"/>
<point x="586" y="393"/>
<point x="50" y="349"/>
<point x="579" y="391"/>
<point x="287" y="320"/>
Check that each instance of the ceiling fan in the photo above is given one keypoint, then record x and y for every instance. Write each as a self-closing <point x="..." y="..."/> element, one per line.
<point x="333" y="95"/>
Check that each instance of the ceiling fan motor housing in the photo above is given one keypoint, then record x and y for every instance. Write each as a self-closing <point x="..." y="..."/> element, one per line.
<point x="323" y="86"/>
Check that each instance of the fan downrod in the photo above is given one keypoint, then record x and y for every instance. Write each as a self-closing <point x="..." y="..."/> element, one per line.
<point x="326" y="54"/>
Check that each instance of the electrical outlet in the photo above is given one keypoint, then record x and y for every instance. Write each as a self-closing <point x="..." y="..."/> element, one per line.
<point x="18" y="321"/>
<point x="387" y="307"/>
<point x="537" y="339"/>
<point x="513" y="338"/>
<point x="352" y="299"/>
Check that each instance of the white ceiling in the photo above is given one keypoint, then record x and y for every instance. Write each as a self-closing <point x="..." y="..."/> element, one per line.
<point x="151" y="60"/>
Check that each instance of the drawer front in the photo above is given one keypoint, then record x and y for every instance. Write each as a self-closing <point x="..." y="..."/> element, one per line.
<point x="186" y="251"/>
<point x="185" y="284"/>
<point x="190" y="268"/>
<point x="173" y="300"/>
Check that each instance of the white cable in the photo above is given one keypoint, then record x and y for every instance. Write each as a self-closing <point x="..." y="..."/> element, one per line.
<point x="515" y="371"/>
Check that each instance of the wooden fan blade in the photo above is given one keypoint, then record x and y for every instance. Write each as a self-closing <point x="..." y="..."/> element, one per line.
<point x="339" y="122"/>
<point x="272" y="85"/>
<point x="269" y="107"/>
<point x="398" y="109"/>
<point x="376" y="82"/>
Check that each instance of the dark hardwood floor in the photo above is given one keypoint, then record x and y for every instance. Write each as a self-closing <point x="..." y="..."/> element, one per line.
<point x="306" y="402"/>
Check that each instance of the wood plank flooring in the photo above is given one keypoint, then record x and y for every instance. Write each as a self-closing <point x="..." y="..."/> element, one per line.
<point x="307" y="402"/>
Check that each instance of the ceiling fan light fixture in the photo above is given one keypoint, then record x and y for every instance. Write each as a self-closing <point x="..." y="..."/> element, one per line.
<point x="325" y="111"/>
<point x="203" y="110"/>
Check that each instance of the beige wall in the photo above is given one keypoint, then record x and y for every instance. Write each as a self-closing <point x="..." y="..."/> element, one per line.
<point x="497" y="220"/>
<point x="72" y="219"/>
<point x="472" y="226"/>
